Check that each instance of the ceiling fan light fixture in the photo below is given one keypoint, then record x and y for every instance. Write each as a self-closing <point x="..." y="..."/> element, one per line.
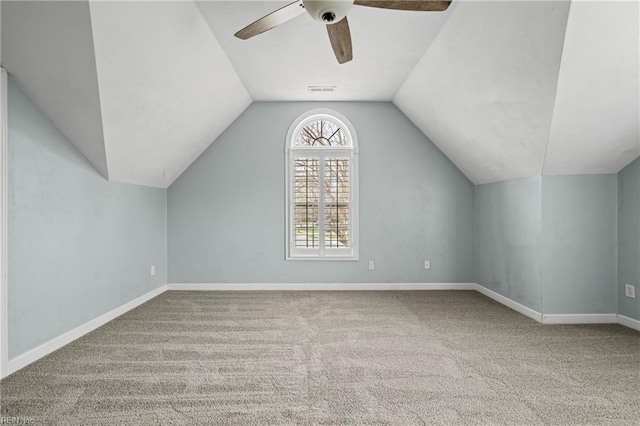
<point x="328" y="11"/>
<point x="333" y="15"/>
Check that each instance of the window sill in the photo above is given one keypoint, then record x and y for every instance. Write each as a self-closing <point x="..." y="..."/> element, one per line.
<point x="315" y="258"/>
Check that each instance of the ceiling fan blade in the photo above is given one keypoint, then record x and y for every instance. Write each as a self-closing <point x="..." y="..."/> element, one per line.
<point x="272" y="20"/>
<point x="340" y="37"/>
<point x="417" y="5"/>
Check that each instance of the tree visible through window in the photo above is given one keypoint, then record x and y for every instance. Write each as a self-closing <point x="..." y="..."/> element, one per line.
<point x="321" y="176"/>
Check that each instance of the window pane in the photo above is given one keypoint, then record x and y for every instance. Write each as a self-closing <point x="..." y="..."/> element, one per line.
<point x="306" y="183"/>
<point x="322" y="133"/>
<point x="336" y="203"/>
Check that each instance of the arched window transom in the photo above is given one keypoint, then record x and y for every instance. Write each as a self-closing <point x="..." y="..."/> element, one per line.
<point x="323" y="132"/>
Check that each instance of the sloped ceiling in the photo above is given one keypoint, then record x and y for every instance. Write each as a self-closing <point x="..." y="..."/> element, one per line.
<point x="517" y="89"/>
<point x="48" y="48"/>
<point x="167" y="88"/>
<point x="142" y="88"/>
<point x="485" y="89"/>
<point x="595" y="125"/>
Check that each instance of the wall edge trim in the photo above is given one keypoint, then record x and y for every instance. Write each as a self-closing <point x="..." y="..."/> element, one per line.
<point x="4" y="287"/>
<point x="317" y="286"/>
<point x="524" y="310"/>
<point x="58" y="342"/>
<point x="629" y="322"/>
<point x="64" y="339"/>
<point x="580" y="318"/>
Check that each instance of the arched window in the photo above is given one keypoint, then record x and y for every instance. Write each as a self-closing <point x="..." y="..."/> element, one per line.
<point x="322" y="187"/>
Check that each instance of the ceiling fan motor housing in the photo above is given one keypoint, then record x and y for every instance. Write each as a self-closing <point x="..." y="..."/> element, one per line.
<point x="328" y="11"/>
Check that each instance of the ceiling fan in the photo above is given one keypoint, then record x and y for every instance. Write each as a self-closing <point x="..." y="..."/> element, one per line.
<point x="333" y="13"/>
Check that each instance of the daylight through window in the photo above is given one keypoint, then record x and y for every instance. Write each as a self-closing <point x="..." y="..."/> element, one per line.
<point x="321" y="187"/>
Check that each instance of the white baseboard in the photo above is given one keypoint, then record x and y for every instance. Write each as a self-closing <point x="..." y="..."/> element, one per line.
<point x="629" y="322"/>
<point x="46" y="348"/>
<point x="580" y="318"/>
<point x="528" y="312"/>
<point x="318" y="286"/>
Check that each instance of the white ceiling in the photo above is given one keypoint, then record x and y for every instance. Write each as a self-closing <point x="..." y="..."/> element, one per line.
<point x="48" y="48"/>
<point x="167" y="89"/>
<point x="484" y="91"/>
<point x="280" y="64"/>
<point x="595" y="121"/>
<point x="142" y="88"/>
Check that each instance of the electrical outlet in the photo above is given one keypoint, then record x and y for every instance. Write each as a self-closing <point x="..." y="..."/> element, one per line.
<point x="427" y="264"/>
<point x="372" y="264"/>
<point x="630" y="291"/>
<point x="152" y="270"/>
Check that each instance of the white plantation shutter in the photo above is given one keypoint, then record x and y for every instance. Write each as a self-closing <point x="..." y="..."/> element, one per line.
<point x="306" y="202"/>
<point x="336" y="203"/>
<point x="321" y="189"/>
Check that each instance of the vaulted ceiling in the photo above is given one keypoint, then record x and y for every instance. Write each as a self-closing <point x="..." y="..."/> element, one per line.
<point x="484" y="91"/>
<point x="596" y="110"/>
<point x="506" y="89"/>
<point x="141" y="88"/>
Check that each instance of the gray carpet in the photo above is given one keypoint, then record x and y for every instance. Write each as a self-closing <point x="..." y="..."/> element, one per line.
<point x="433" y="357"/>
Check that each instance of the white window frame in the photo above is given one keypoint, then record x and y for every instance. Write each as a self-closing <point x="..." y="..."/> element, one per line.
<point x="291" y="153"/>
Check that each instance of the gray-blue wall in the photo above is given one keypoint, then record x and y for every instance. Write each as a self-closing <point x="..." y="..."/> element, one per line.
<point x="579" y="244"/>
<point x="508" y="239"/>
<point x="79" y="246"/>
<point x="550" y="242"/>
<point x="629" y="238"/>
<point x="226" y="213"/>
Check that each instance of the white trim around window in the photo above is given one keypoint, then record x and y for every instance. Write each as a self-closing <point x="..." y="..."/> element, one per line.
<point x="321" y="188"/>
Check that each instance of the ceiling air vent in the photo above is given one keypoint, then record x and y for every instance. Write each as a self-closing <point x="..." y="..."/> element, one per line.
<point x="322" y="89"/>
